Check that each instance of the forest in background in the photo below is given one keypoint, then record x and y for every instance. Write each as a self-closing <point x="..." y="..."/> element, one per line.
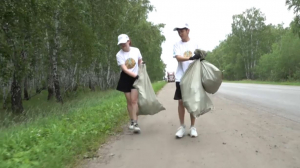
<point x="62" y="46"/>
<point x="257" y="51"/>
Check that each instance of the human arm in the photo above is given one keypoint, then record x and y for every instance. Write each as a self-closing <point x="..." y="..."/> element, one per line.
<point x="128" y="72"/>
<point x="181" y="58"/>
<point x="140" y="58"/>
<point x="177" y="53"/>
<point x="140" y="61"/>
<point x="121" y="63"/>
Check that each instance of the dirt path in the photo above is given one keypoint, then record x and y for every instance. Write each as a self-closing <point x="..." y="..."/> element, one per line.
<point x="233" y="135"/>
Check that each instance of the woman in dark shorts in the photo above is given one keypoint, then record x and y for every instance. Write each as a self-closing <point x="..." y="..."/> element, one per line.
<point x="128" y="59"/>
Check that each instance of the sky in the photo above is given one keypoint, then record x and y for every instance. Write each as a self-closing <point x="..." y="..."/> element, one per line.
<point x="209" y="20"/>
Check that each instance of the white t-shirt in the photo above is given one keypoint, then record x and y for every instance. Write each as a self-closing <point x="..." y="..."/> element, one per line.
<point x="184" y="49"/>
<point x="130" y="59"/>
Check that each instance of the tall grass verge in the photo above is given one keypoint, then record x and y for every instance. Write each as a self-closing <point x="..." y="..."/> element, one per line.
<point x="55" y="140"/>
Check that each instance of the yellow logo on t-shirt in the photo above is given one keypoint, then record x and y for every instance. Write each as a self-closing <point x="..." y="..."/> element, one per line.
<point x="187" y="54"/>
<point x="130" y="63"/>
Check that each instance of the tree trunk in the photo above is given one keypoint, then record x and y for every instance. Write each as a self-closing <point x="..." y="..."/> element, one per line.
<point x="50" y="85"/>
<point x="3" y="98"/>
<point x="54" y="59"/>
<point x="16" y="96"/>
<point x="74" y="84"/>
<point x="75" y="87"/>
<point x="91" y="86"/>
<point x="37" y="89"/>
<point x="16" y="92"/>
<point x="4" y="105"/>
<point x="108" y="76"/>
<point x="26" y="96"/>
<point x="246" y="68"/>
<point x="36" y="83"/>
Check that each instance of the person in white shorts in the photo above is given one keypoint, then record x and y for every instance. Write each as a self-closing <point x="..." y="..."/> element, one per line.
<point x="129" y="58"/>
<point x="183" y="51"/>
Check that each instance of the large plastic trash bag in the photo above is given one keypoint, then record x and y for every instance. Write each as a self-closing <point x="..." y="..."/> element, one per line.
<point x="211" y="77"/>
<point x="194" y="97"/>
<point x="147" y="101"/>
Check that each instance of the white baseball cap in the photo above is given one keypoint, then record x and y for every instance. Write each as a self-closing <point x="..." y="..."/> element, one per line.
<point x="122" y="38"/>
<point x="185" y="25"/>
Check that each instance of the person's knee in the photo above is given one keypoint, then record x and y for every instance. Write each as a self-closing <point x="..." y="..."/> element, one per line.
<point x="134" y="102"/>
<point x="129" y="102"/>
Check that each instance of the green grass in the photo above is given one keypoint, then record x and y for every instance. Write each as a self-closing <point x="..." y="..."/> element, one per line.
<point x="57" y="138"/>
<point x="295" y="83"/>
<point x="37" y="107"/>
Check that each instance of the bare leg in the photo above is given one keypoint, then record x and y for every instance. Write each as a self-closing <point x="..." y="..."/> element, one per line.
<point x="134" y="103"/>
<point x="181" y="112"/>
<point x="192" y="120"/>
<point x="129" y="107"/>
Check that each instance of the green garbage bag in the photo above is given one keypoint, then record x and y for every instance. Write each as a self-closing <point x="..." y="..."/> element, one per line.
<point x="211" y="77"/>
<point x="194" y="97"/>
<point x="147" y="101"/>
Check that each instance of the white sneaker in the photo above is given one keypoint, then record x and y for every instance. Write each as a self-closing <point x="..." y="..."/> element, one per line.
<point x="193" y="132"/>
<point x="136" y="128"/>
<point x="180" y="132"/>
<point x="131" y="127"/>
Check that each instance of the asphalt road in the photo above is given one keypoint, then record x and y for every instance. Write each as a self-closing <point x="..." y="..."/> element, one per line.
<point x="280" y="100"/>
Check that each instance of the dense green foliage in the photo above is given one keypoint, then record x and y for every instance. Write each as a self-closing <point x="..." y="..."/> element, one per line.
<point x="61" y="45"/>
<point x="295" y="6"/>
<point x="258" y="51"/>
